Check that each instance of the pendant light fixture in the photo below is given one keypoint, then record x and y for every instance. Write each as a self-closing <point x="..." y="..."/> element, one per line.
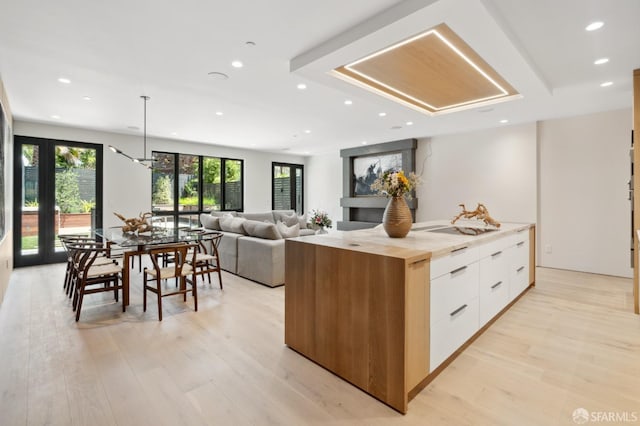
<point x="146" y="162"/>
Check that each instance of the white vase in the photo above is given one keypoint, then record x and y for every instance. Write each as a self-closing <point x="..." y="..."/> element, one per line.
<point x="321" y="231"/>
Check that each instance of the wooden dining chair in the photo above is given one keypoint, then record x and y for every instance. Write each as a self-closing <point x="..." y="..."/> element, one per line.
<point x="207" y="259"/>
<point x="183" y="256"/>
<point x="92" y="275"/>
<point x="71" y="243"/>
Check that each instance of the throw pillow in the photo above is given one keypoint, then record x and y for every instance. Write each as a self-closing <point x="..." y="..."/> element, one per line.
<point x="289" y="231"/>
<point x="289" y="220"/>
<point x="210" y="222"/>
<point x="302" y="220"/>
<point x="232" y="224"/>
<point x="265" y="230"/>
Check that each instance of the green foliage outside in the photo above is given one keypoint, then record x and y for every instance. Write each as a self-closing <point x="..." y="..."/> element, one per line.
<point x="162" y="191"/>
<point x="68" y="191"/>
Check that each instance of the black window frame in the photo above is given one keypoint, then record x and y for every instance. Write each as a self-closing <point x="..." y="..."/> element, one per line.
<point x="176" y="213"/>
<point x="293" y="166"/>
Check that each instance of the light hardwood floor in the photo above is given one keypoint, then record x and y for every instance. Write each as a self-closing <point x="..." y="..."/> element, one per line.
<point x="571" y="342"/>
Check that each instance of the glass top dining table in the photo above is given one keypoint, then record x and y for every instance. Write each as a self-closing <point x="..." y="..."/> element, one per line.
<point x="154" y="237"/>
<point x="139" y="243"/>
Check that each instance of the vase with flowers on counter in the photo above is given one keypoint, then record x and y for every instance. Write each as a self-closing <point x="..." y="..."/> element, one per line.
<point x="395" y="185"/>
<point x="319" y="220"/>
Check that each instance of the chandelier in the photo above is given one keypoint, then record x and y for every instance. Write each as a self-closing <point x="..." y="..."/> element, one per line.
<point x="144" y="161"/>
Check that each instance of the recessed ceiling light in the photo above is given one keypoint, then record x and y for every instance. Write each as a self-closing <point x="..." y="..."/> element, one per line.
<point x="174" y="133"/>
<point x="301" y="86"/>
<point x="382" y="114"/>
<point x="219" y="113"/>
<point x="307" y="131"/>
<point x="348" y="102"/>
<point x="601" y="61"/>
<point x="217" y="75"/>
<point x="64" y="80"/>
<point x="594" y="26"/>
<point x="363" y="142"/>
<point x="237" y="64"/>
<point x="409" y="123"/>
<point x="504" y="121"/>
<point x="86" y="98"/>
<point x="55" y="117"/>
<point x="606" y="84"/>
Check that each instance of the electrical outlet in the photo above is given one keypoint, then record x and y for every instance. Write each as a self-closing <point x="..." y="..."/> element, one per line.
<point x="547" y="248"/>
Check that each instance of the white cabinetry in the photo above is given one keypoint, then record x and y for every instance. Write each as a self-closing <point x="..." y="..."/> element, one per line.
<point x="494" y="282"/>
<point x="470" y="286"/>
<point x="519" y="265"/>
<point x="454" y="302"/>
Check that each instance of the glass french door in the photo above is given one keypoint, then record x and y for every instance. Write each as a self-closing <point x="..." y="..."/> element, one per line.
<point x="287" y="187"/>
<point x="57" y="191"/>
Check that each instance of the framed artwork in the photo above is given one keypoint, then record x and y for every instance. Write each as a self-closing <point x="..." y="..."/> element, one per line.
<point x="367" y="169"/>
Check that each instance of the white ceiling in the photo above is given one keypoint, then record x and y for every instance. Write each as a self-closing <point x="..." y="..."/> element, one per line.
<point x="116" y="51"/>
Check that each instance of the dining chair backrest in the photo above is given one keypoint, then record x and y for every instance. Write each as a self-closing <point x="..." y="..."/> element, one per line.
<point x="180" y="254"/>
<point x="209" y="242"/>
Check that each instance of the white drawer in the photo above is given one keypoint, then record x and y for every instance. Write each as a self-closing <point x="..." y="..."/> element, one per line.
<point x="494" y="246"/>
<point x="494" y="268"/>
<point x="519" y="254"/>
<point x="492" y="299"/>
<point x="453" y="290"/>
<point x="451" y="332"/>
<point x="518" y="281"/>
<point x="452" y="261"/>
<point x="517" y="237"/>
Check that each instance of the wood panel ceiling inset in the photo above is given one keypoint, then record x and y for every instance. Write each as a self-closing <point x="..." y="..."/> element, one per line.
<point x="434" y="72"/>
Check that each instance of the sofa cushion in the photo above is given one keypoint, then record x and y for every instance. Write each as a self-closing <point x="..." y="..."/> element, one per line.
<point x="223" y="214"/>
<point x="266" y="230"/>
<point x="289" y="231"/>
<point x="209" y="222"/>
<point x="261" y="217"/>
<point x="233" y="224"/>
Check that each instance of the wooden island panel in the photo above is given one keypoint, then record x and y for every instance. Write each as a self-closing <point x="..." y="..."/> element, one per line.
<point x="349" y="309"/>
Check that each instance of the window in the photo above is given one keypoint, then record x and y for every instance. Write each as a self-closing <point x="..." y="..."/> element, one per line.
<point x="183" y="186"/>
<point x="287" y="184"/>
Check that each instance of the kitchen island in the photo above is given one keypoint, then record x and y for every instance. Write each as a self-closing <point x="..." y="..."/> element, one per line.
<point x="389" y="314"/>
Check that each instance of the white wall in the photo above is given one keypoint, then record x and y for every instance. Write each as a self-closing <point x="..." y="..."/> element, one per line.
<point x="584" y="211"/>
<point x="496" y="167"/>
<point x="127" y="186"/>
<point x="323" y="182"/>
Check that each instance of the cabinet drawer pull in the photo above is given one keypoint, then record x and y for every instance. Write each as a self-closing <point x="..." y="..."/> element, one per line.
<point x="460" y="269"/>
<point x="498" y="253"/>
<point x="496" y="285"/>
<point x="418" y="261"/>
<point x="520" y="269"/>
<point x="459" y="249"/>
<point x="460" y="309"/>
<point x="520" y="244"/>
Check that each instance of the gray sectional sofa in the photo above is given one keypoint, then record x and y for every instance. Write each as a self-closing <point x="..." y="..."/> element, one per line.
<point x="253" y="243"/>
